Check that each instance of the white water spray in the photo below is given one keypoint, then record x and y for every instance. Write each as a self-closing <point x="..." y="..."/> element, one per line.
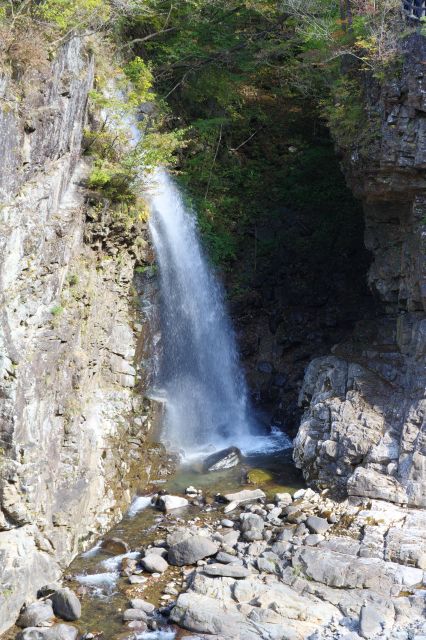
<point x="205" y="391"/>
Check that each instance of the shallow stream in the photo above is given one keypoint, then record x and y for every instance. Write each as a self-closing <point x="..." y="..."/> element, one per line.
<point x="95" y="574"/>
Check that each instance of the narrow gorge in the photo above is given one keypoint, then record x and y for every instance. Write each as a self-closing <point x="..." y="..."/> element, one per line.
<point x="213" y="329"/>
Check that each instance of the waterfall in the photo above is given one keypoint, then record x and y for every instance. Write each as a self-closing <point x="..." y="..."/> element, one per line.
<point x="205" y="391"/>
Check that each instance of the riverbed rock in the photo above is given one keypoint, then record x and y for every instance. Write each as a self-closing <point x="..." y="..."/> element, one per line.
<point x="230" y="507"/>
<point x="115" y="546"/>
<point x="169" y="503"/>
<point x="227" y="523"/>
<point x="192" y="549"/>
<point x="137" y="579"/>
<point x="138" y="603"/>
<point x="66" y="605"/>
<point x="57" y="632"/>
<point x="154" y="563"/>
<point x="37" y="614"/>
<point x="370" y="622"/>
<point x="226" y="571"/>
<point x="251" y="521"/>
<point x="226" y="558"/>
<point x="245" y="496"/>
<point x="317" y="525"/>
<point x="134" y="614"/>
<point x="225" y="459"/>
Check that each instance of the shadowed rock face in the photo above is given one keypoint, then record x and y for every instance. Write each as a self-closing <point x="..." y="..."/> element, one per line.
<point x="71" y="427"/>
<point x="363" y="427"/>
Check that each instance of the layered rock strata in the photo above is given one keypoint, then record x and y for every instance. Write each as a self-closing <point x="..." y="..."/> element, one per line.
<point x="72" y="428"/>
<point x="363" y="429"/>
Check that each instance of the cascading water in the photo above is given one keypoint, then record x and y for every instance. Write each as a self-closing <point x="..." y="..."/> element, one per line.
<point x="205" y="391"/>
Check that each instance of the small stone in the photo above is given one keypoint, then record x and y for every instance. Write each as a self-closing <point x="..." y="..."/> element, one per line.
<point x="137" y="625"/>
<point x="299" y="494"/>
<point x="169" y="503"/>
<point x="251" y="521"/>
<point x="128" y="566"/>
<point x="138" y="603"/>
<point x="154" y="563"/>
<point x="191" y="491"/>
<point x="159" y="551"/>
<point x="253" y="534"/>
<point x="283" y="499"/>
<point x="230" y="507"/>
<point x="134" y="614"/>
<point x="137" y="579"/>
<point x="317" y="525"/>
<point x="37" y="614"/>
<point x="227" y="523"/>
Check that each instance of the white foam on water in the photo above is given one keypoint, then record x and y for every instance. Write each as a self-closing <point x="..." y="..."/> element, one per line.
<point x="271" y="442"/>
<point x="93" y="551"/>
<point x="156" y="635"/>
<point x="112" y="564"/>
<point x="102" y="584"/>
<point x="139" y="504"/>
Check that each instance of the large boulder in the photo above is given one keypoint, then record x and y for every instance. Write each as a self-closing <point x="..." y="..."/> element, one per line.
<point x="225" y="459"/>
<point x="66" y="605"/>
<point x="192" y="549"/>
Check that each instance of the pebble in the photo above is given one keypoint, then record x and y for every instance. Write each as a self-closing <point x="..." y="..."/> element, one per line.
<point x="227" y="523"/>
<point x="134" y="614"/>
<point x="137" y="579"/>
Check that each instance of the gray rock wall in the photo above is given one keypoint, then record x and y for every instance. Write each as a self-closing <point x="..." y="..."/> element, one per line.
<point x="364" y="424"/>
<point x="72" y="426"/>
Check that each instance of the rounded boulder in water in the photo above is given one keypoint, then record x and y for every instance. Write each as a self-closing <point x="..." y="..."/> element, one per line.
<point x="66" y="605"/>
<point x="115" y="546"/>
<point x="224" y="459"/>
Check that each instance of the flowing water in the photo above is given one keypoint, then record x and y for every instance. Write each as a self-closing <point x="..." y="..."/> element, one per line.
<point x="207" y="402"/>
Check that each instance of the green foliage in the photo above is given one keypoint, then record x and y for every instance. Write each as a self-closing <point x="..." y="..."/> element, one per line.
<point x="71" y="14"/>
<point x="57" y="310"/>
<point x="249" y="80"/>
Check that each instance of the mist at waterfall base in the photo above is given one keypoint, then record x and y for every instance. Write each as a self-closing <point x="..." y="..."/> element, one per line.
<point x="207" y="406"/>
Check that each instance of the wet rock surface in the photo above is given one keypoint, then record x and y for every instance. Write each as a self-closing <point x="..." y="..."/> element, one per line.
<point x="225" y="459"/>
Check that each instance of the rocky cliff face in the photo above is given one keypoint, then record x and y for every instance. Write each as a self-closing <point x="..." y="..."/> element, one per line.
<point x="363" y="428"/>
<point x="72" y="428"/>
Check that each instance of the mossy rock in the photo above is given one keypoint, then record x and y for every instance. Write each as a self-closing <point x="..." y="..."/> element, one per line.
<point x="259" y="476"/>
